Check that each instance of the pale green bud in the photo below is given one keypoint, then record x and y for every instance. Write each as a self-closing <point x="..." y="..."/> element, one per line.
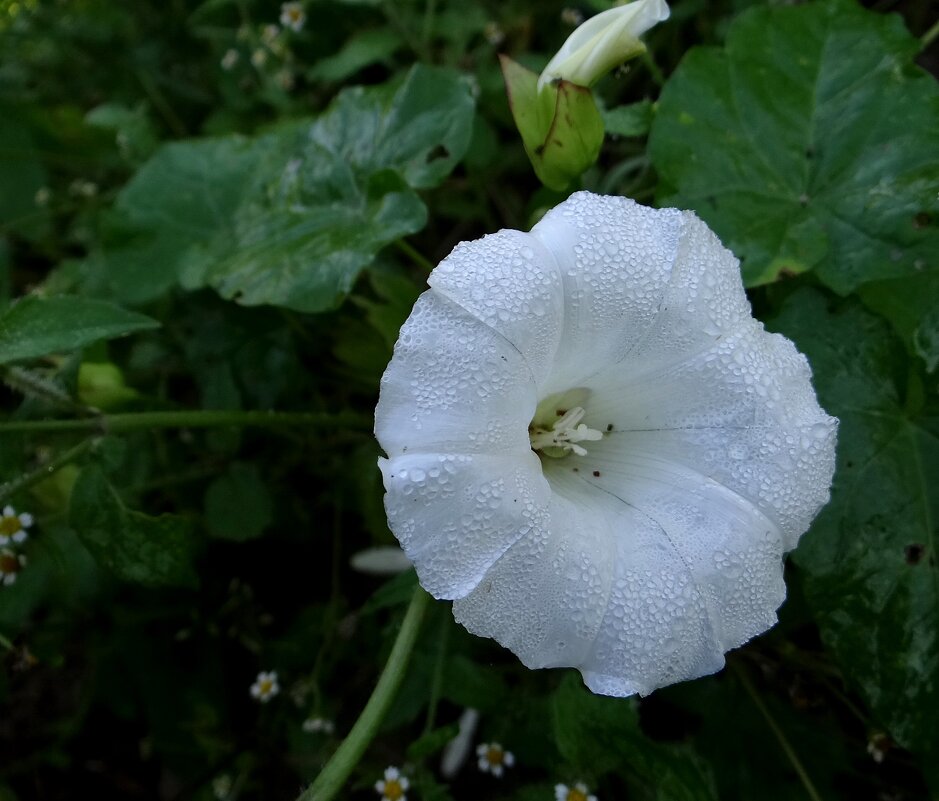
<point x="603" y="42"/>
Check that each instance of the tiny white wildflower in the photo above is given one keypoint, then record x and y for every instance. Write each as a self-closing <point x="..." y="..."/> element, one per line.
<point x="292" y="16"/>
<point x="222" y="786"/>
<point x="493" y="33"/>
<point x="259" y="58"/>
<point x="83" y="188"/>
<point x="269" y="34"/>
<point x="265" y="686"/>
<point x="572" y="17"/>
<point x="285" y="79"/>
<point x="43" y="196"/>
<point x="878" y="746"/>
<point x="579" y="792"/>
<point x="230" y="59"/>
<point x="494" y="759"/>
<point x="13" y="526"/>
<point x="394" y="786"/>
<point x="10" y="566"/>
<point x="317" y="725"/>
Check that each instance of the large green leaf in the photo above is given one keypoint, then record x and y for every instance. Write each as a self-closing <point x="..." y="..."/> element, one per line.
<point x="37" y="326"/>
<point x="598" y="735"/>
<point x="22" y="175"/>
<point x="138" y="548"/>
<point x="870" y="558"/>
<point x="810" y="141"/>
<point x="291" y="217"/>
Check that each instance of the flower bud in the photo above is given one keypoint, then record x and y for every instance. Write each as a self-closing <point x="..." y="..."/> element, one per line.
<point x="603" y="42"/>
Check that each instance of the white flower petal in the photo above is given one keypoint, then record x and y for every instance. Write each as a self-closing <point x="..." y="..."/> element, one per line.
<point x="454" y="385"/>
<point x="546" y="597"/>
<point x="616" y="259"/>
<point x="456" y="515"/>
<point x="742" y="412"/>
<point x="510" y="282"/>
<point x="380" y="561"/>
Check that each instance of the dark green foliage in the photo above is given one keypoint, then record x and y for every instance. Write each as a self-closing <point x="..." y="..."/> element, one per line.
<point x="198" y="215"/>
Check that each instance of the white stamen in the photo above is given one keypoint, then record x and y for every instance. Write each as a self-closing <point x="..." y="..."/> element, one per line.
<point x="565" y="433"/>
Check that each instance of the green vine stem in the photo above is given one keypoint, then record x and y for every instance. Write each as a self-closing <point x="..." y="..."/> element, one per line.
<point x="197" y="418"/>
<point x="9" y="489"/>
<point x="334" y="775"/>
<point x="784" y="744"/>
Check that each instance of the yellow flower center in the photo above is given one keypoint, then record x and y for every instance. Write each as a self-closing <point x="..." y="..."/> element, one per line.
<point x="394" y="791"/>
<point x="9" y="563"/>
<point x="495" y="756"/>
<point x="10" y="525"/>
<point x="266" y="686"/>
<point x="576" y="795"/>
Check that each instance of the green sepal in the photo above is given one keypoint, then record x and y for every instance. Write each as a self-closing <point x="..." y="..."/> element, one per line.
<point x="560" y="125"/>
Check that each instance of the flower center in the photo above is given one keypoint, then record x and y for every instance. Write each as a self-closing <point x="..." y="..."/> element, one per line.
<point x="576" y="795"/>
<point x="556" y="429"/>
<point x="495" y="756"/>
<point x="393" y="790"/>
<point x="9" y="525"/>
<point x="9" y="563"/>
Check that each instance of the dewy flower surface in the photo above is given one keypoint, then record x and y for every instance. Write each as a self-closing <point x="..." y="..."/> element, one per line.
<point x="596" y="451"/>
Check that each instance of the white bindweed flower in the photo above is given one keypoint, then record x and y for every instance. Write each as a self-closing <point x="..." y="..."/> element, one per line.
<point x="13" y="526"/>
<point x="603" y="42"/>
<point x="596" y="451"/>
<point x="265" y="686"/>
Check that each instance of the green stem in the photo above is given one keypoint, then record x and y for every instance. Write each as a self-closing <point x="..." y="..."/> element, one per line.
<point x="204" y="418"/>
<point x="787" y="748"/>
<point x="436" y="682"/>
<point x="42" y="473"/>
<point x="930" y="35"/>
<point x="414" y="255"/>
<point x="332" y="778"/>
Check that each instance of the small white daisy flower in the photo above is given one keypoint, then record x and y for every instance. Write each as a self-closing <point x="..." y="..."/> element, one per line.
<point x="82" y="188"/>
<point x="285" y="79"/>
<point x="494" y="759"/>
<point x="43" y="195"/>
<point x="269" y="34"/>
<point x="10" y="565"/>
<point x="394" y="786"/>
<point x="230" y="59"/>
<point x="292" y="16"/>
<point x="221" y="786"/>
<point x="572" y="17"/>
<point x="878" y="746"/>
<point x="317" y="725"/>
<point x="493" y="33"/>
<point x="259" y="58"/>
<point x="13" y="526"/>
<point x="265" y="686"/>
<point x="579" y="792"/>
